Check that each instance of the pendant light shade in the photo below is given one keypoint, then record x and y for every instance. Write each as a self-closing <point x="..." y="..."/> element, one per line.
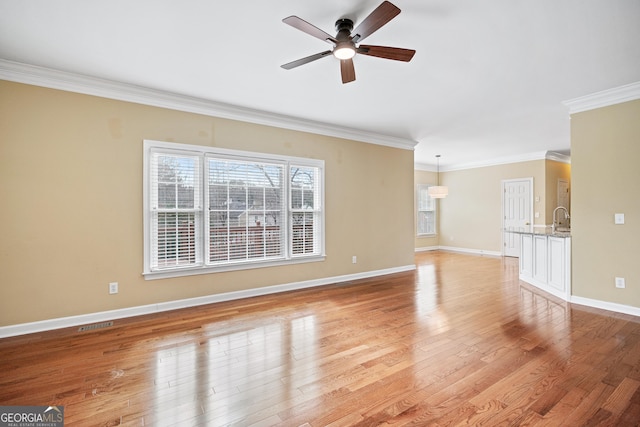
<point x="438" y="191"/>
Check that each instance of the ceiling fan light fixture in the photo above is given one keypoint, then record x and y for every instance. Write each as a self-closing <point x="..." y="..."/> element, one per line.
<point x="344" y="51"/>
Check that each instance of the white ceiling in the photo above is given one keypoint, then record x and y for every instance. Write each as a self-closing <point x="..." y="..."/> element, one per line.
<point x="487" y="81"/>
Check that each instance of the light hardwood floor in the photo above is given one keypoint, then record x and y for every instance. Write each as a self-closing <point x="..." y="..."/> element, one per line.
<point x="460" y="341"/>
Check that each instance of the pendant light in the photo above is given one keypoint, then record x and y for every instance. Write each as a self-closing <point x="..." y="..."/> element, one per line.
<point x="438" y="191"/>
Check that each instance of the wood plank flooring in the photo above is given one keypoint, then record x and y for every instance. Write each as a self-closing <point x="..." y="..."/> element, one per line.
<point x="460" y="341"/>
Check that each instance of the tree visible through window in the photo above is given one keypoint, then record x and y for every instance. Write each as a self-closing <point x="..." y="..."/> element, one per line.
<point x="245" y="210"/>
<point x="218" y="208"/>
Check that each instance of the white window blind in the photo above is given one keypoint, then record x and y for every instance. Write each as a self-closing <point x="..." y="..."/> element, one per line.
<point x="305" y="209"/>
<point x="176" y="210"/>
<point x="211" y="209"/>
<point x="247" y="211"/>
<point x="426" y="211"/>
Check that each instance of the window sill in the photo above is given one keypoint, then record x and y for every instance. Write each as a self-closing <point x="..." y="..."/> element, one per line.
<point x="193" y="271"/>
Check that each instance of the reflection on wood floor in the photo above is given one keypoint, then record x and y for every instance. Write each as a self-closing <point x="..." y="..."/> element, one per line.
<point x="459" y="341"/>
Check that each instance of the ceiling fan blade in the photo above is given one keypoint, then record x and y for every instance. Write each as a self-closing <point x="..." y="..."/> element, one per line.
<point x="305" y="60"/>
<point x="347" y="70"/>
<point x="395" y="53"/>
<point x="376" y="19"/>
<point x="310" y="29"/>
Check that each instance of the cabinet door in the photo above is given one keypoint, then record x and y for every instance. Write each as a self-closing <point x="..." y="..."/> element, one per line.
<point x="557" y="263"/>
<point x="526" y="255"/>
<point x="540" y="258"/>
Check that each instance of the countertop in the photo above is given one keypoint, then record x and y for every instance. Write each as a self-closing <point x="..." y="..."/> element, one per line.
<point x="542" y="231"/>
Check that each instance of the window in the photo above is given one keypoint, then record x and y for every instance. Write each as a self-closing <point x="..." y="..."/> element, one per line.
<point x="426" y="213"/>
<point x="210" y="210"/>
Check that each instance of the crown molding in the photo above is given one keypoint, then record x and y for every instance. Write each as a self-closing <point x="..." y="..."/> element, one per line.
<point x="604" y="98"/>
<point x="527" y="157"/>
<point x="424" y="167"/>
<point x="87" y="85"/>
<point x="558" y="157"/>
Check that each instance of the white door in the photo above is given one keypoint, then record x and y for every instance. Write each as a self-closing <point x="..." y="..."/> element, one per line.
<point x="517" y="209"/>
<point x="563" y="193"/>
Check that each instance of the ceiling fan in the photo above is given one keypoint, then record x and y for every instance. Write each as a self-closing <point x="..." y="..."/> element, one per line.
<point x="345" y="45"/>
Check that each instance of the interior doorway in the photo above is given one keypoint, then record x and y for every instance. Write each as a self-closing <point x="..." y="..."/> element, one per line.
<point x="517" y="212"/>
<point x="564" y="194"/>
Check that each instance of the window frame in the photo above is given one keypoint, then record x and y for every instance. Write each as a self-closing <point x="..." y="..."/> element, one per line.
<point x="205" y="152"/>
<point x="422" y="189"/>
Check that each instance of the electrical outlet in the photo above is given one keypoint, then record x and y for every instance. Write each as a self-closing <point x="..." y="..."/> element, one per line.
<point x="620" y="282"/>
<point x="354" y="259"/>
<point x="113" y="288"/>
<point x="618" y="218"/>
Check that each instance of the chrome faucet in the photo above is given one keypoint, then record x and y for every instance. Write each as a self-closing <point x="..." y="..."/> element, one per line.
<point x="566" y="216"/>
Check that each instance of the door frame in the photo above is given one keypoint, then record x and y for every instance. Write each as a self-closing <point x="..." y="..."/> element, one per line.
<point x="502" y="193"/>
<point x="563" y="184"/>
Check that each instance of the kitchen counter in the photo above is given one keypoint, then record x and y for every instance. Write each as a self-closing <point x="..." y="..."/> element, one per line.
<point x="543" y="231"/>
<point x="545" y="260"/>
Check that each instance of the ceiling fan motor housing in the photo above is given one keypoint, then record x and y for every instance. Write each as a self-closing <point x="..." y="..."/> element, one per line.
<point x="345" y="48"/>
<point x="344" y="27"/>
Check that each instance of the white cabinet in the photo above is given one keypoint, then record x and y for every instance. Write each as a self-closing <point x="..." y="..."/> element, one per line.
<point x="545" y="262"/>
<point x="540" y="258"/>
<point x="559" y="276"/>
<point x="526" y="255"/>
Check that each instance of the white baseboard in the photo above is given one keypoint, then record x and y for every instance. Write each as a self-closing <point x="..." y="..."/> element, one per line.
<point x="470" y="251"/>
<point x="103" y="316"/>
<point x="605" y="305"/>
<point x="427" y="248"/>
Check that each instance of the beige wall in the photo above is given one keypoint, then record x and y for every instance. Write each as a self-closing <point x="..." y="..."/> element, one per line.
<point x="470" y="216"/>
<point x="605" y="153"/>
<point x="71" y="194"/>
<point x="422" y="242"/>
<point x="555" y="171"/>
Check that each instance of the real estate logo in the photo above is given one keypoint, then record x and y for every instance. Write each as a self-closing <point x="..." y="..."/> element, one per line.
<point x="31" y="416"/>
